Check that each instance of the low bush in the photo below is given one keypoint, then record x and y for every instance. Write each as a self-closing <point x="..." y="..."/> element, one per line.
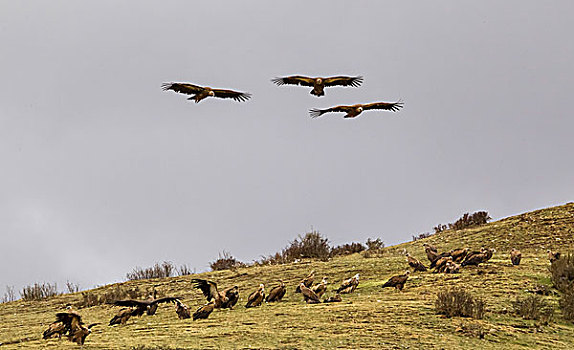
<point x="421" y="236"/>
<point x="470" y="220"/>
<point x="458" y="302"/>
<point x="562" y="273"/>
<point x="533" y="307"/>
<point x="165" y="269"/>
<point x="566" y="303"/>
<point x="9" y="295"/>
<point x="347" y="249"/>
<point x="39" y="291"/>
<point x="225" y="262"/>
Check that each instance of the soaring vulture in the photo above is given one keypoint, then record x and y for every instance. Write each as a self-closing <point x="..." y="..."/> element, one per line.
<point x="349" y="285"/>
<point x="397" y="281"/>
<point x="334" y="299"/>
<point x="204" y="311"/>
<point x="319" y="83"/>
<point x="181" y="310"/>
<point x="200" y="92"/>
<point x="71" y="323"/>
<point x="515" y="256"/>
<point x="227" y="298"/>
<point x="276" y="293"/>
<point x="256" y="298"/>
<point x="123" y="316"/>
<point x="307" y="281"/>
<point x="308" y="295"/>
<point x="415" y="264"/>
<point x="142" y="306"/>
<point x="354" y="110"/>
<point x="320" y="288"/>
<point x="553" y="256"/>
<point x="458" y="255"/>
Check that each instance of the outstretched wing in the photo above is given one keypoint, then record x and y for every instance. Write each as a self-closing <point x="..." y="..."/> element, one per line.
<point x="344" y="81"/>
<point x="131" y="303"/>
<point x="208" y="288"/>
<point x="389" y="106"/>
<point x="183" y="88"/>
<point x="294" y="80"/>
<point x="315" y="112"/>
<point x="166" y="300"/>
<point x="71" y="320"/>
<point x="236" y="95"/>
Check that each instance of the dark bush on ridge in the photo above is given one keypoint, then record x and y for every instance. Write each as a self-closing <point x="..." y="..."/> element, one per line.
<point x="225" y="262"/>
<point x="347" y="249"/>
<point x="470" y="220"/>
<point x="458" y="302"/>
<point x="533" y="307"/>
<point x="39" y="291"/>
<point x="166" y="269"/>
<point x="562" y="273"/>
<point x="421" y="236"/>
<point x="375" y="244"/>
<point x="9" y="295"/>
<point x="312" y="245"/>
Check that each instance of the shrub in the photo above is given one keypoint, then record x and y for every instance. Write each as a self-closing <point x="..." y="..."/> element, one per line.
<point x="458" y="302"/>
<point x="9" y="295"/>
<point x="533" y="307"/>
<point x="225" y="262"/>
<point x="185" y="270"/>
<point x="421" y="236"/>
<point x="347" y="249"/>
<point x="562" y="273"/>
<point x="312" y="245"/>
<point x="166" y="269"/>
<point x="72" y="287"/>
<point x="39" y="291"/>
<point x="440" y="228"/>
<point x="375" y="244"/>
<point x="469" y="220"/>
<point x="566" y="303"/>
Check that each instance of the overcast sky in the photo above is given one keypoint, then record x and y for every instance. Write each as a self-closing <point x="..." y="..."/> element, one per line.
<point x="103" y="171"/>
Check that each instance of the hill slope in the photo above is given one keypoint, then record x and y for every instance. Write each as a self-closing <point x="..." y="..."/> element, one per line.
<point x="369" y="318"/>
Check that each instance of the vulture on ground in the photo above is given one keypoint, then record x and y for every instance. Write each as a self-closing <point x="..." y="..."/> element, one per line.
<point x="474" y="259"/>
<point x="123" y="316"/>
<point x="320" y="288"/>
<point x="224" y="299"/>
<point x="200" y="92"/>
<point x="354" y="110"/>
<point x="458" y="255"/>
<point x="333" y="299"/>
<point x="430" y="247"/>
<point x="319" y="83"/>
<point x="181" y="310"/>
<point x="307" y="281"/>
<point x="308" y="295"/>
<point x="553" y="256"/>
<point x="349" y="285"/>
<point x="204" y="311"/>
<point x="432" y="253"/>
<point x="451" y="267"/>
<point x="55" y="329"/>
<point x="71" y="323"/>
<point x="397" y="281"/>
<point x="256" y="298"/>
<point x="488" y="254"/>
<point x="277" y="293"/>
<point x="415" y="264"/>
<point x="440" y="263"/>
<point x="144" y="306"/>
<point x="515" y="256"/>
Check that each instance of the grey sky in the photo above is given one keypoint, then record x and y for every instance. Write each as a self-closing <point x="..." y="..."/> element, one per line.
<point x="103" y="171"/>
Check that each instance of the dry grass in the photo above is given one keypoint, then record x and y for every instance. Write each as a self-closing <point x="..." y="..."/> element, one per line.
<point x="370" y="318"/>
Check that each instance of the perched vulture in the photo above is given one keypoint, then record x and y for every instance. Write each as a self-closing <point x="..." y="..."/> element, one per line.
<point x="224" y="299"/>
<point x="415" y="264"/>
<point x="320" y="288"/>
<point x="142" y="306"/>
<point x="79" y="334"/>
<point x="307" y="281"/>
<point x="397" y="281"/>
<point x="318" y="83"/>
<point x="451" y="267"/>
<point x="181" y="310"/>
<point x="334" y="299"/>
<point x="469" y="255"/>
<point x="432" y="253"/>
<point x="256" y="298"/>
<point x="204" y="311"/>
<point x="515" y="256"/>
<point x="308" y="295"/>
<point x="474" y="259"/>
<point x="277" y="293"/>
<point x="55" y="329"/>
<point x="123" y="316"/>
<point x="71" y="323"/>
<point x="553" y="256"/>
<point x="439" y="257"/>
<point x="354" y="110"/>
<point x="349" y="285"/>
<point x="458" y="255"/>
<point x="200" y="92"/>
<point x="488" y="254"/>
<point x="441" y="263"/>
<point x="430" y="247"/>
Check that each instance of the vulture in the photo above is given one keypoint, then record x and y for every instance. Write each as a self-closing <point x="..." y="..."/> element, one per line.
<point x="181" y="310"/>
<point x="319" y="83"/>
<point x="397" y="281"/>
<point x="277" y="293"/>
<point x="200" y="92"/>
<point x="334" y="299"/>
<point x="204" y="311"/>
<point x="515" y="256"/>
<point x="451" y="267"/>
<point x="227" y="298"/>
<point x="308" y="295"/>
<point x="123" y="316"/>
<point x="71" y="323"/>
<point x="553" y="256"/>
<point x="474" y="259"/>
<point x="440" y="264"/>
<point x="320" y="288"/>
<point x="432" y="253"/>
<point x="415" y="264"/>
<point x="140" y="307"/>
<point x="349" y="285"/>
<point x="438" y="258"/>
<point x="488" y="254"/>
<point x="57" y="328"/>
<point x="307" y="281"/>
<point x="469" y="255"/>
<point x="354" y="110"/>
<point x="458" y="255"/>
<point x="256" y="298"/>
<point x="430" y="247"/>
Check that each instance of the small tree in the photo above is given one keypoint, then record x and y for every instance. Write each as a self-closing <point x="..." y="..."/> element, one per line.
<point x="458" y="302"/>
<point x="225" y="262"/>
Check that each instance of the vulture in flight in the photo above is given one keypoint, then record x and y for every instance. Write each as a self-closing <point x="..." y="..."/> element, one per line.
<point x="320" y="288"/>
<point x="276" y="293"/>
<point x="319" y="83"/>
<point x="515" y="256"/>
<point x="349" y="285"/>
<point x="140" y="307"/>
<point x="256" y="298"/>
<point x="308" y="295"/>
<point x="354" y="110"/>
<point x="227" y="298"/>
<point x="415" y="264"/>
<point x="553" y="256"/>
<point x="397" y="281"/>
<point x="204" y="311"/>
<point x="307" y="281"/>
<point x="71" y="323"/>
<point x="200" y="92"/>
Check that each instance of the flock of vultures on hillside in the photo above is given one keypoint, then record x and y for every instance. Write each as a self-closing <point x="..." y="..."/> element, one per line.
<point x="70" y="323"/>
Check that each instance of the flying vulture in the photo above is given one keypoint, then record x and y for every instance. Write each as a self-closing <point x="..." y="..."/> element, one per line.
<point x="515" y="256"/>
<point x="224" y="299"/>
<point x="397" y="281"/>
<point x="181" y="310"/>
<point x="320" y="288"/>
<point x="334" y="299"/>
<point x="200" y="92"/>
<point x="458" y="255"/>
<point x="354" y="110"/>
<point x="204" y="311"/>
<point x="349" y="285"/>
<point x="308" y="295"/>
<point x="553" y="256"/>
<point x="256" y="298"/>
<point x="276" y="293"/>
<point x="319" y="83"/>
<point x="307" y="281"/>
<point x="140" y="307"/>
<point x="415" y="264"/>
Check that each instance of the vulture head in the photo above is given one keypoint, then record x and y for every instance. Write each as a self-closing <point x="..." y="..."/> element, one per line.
<point x="359" y="109"/>
<point x="318" y="81"/>
<point x="211" y="93"/>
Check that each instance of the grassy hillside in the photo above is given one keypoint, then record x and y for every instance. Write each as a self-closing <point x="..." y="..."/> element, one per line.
<point x="369" y="318"/>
